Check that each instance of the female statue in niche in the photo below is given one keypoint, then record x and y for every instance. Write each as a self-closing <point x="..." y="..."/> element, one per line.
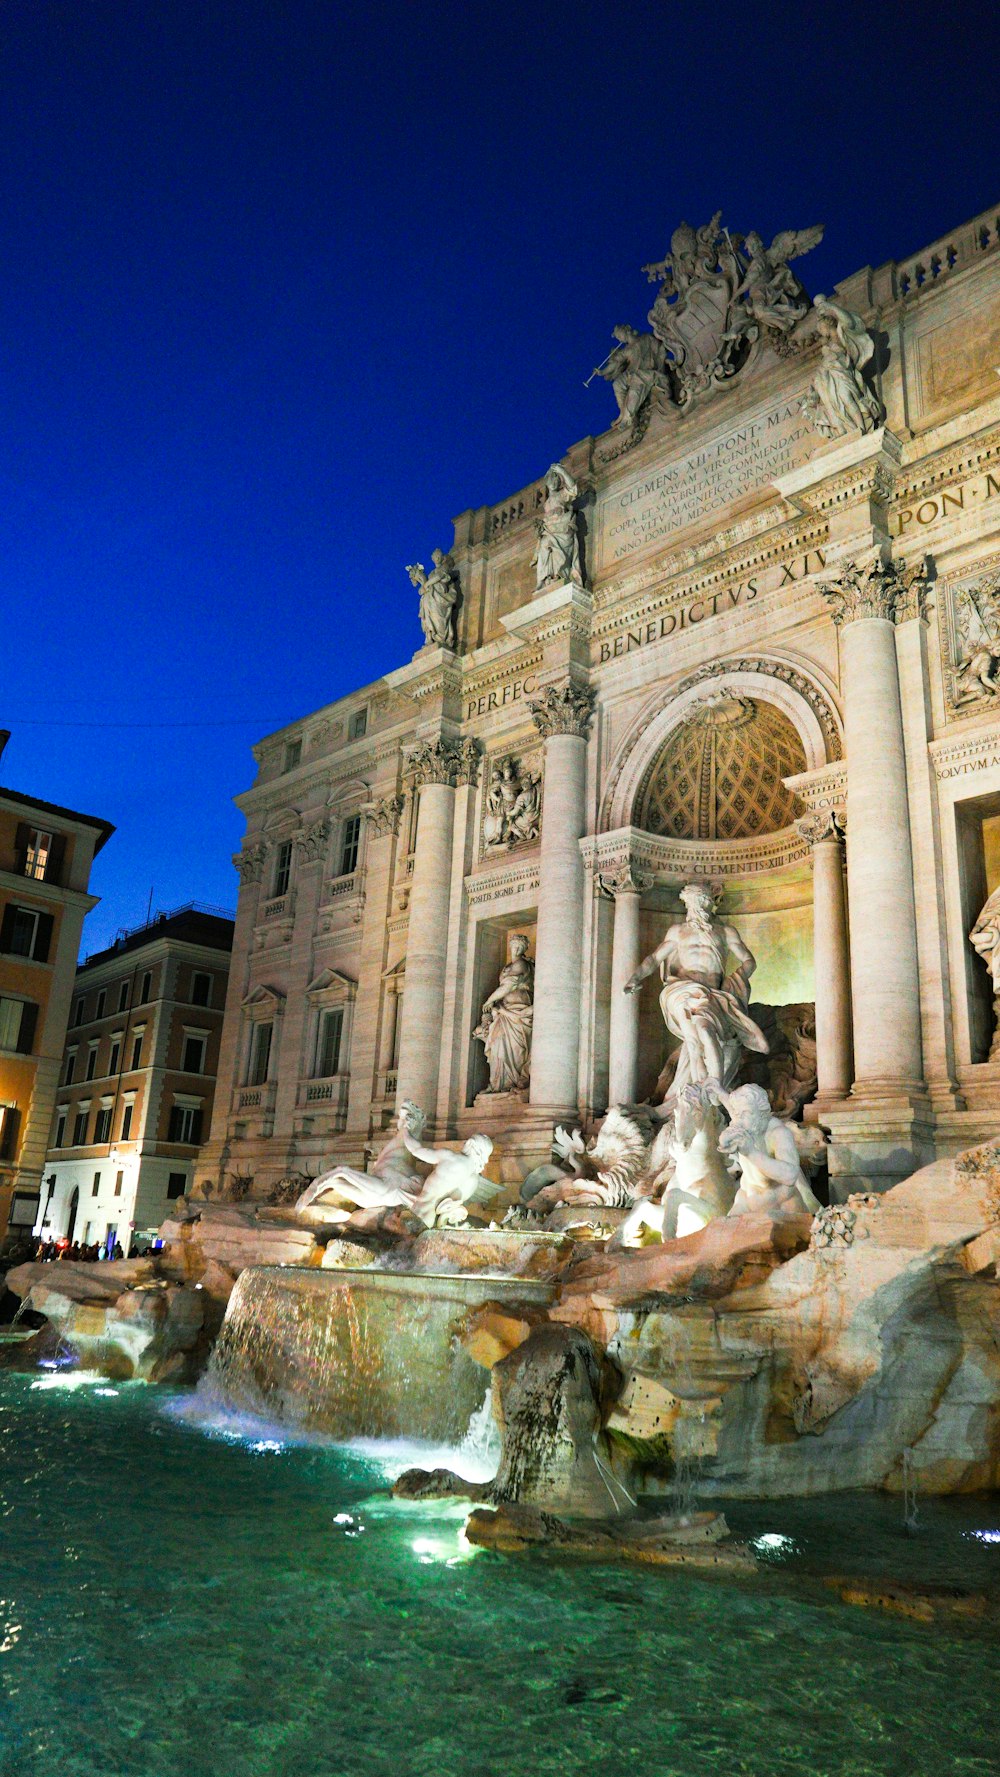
<point x="557" y="557"/>
<point x="504" y="1028"/>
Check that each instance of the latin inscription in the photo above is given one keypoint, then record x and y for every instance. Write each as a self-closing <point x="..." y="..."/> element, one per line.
<point x="500" y="698"/>
<point x="710" y="604"/>
<point x="741" y="461"/>
<point x="910" y="520"/>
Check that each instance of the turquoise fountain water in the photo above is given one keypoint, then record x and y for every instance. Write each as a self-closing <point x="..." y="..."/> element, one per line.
<point x="185" y="1597"/>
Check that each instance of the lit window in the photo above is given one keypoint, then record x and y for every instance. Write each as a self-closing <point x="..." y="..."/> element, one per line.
<point x="331" y="1027"/>
<point x="349" y="845"/>
<point x="282" y="869"/>
<point x="37" y="854"/>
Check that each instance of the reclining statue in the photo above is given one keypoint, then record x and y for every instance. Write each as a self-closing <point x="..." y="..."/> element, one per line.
<point x="400" y="1178"/>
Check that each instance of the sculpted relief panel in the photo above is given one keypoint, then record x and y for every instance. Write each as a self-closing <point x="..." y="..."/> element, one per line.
<point x="971" y="642"/>
<point x="512" y="805"/>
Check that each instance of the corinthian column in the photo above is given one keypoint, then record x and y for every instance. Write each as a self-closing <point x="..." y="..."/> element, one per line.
<point x="884" y="975"/>
<point x="563" y="718"/>
<point x="434" y="768"/>
<point x="626" y="886"/>
<point x="831" y="963"/>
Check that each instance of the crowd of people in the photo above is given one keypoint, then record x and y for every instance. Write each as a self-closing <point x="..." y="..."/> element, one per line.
<point x="77" y="1250"/>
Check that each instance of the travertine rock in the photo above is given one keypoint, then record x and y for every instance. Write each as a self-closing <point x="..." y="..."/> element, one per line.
<point x="117" y="1317"/>
<point x="546" y="1399"/>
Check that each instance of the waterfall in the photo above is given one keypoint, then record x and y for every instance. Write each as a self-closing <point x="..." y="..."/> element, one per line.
<point x="356" y="1353"/>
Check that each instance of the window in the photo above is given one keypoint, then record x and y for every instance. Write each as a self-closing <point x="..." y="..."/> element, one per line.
<point x="80" y="1127"/>
<point x="126" y="1123"/>
<point x="145" y="988"/>
<point x="68" y="1066"/>
<point x="60" y="1134"/>
<point x="193" y="1057"/>
<point x="10" y="1118"/>
<point x="201" y="989"/>
<point x="123" y="997"/>
<point x="358" y="724"/>
<point x="78" y="1010"/>
<point x="91" y="1061"/>
<point x="119" y="1181"/>
<point x="282" y="868"/>
<point x="185" y="1123"/>
<point x="176" y="1184"/>
<point x="114" y="1058"/>
<point x="37" y="853"/>
<point x="260" y="1053"/>
<point x="102" y="1000"/>
<point x="293" y="754"/>
<point x="95" y="1187"/>
<point x="23" y="932"/>
<point x="349" y="845"/>
<point x="331" y="1026"/>
<point x="18" y="1019"/>
<point x="136" y="1061"/>
<point x="102" y="1124"/>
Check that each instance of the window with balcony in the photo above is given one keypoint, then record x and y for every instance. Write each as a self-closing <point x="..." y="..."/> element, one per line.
<point x="260" y="1054"/>
<point x="349" y="845"/>
<point x="329" y="1036"/>
<point x="282" y="869"/>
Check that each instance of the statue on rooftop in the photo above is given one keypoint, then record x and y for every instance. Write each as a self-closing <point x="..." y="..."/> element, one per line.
<point x="840" y="400"/>
<point x="774" y="295"/>
<point x="505" y="1023"/>
<point x="702" y="1004"/>
<point x="439" y="597"/>
<point x="635" y="367"/>
<point x="557" y="555"/>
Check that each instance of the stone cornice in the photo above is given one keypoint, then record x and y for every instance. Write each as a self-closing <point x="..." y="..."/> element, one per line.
<point x="822" y="790"/>
<point x="669" y="861"/>
<point x="972" y="753"/>
<point x="502" y="883"/>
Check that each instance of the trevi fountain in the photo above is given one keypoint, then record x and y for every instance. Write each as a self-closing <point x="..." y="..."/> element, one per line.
<point x="615" y="1326"/>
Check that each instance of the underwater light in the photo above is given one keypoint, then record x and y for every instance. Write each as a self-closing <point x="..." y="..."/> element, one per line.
<point x="267" y="1444"/>
<point x="985" y="1536"/>
<point x="773" y="1544"/>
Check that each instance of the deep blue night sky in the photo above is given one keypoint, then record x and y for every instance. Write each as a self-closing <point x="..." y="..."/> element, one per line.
<point x="286" y="286"/>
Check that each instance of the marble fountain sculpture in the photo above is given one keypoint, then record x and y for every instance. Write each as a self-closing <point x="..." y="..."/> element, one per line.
<point x="665" y="1298"/>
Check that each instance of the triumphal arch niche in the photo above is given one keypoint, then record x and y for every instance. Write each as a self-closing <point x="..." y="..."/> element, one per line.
<point x="747" y="636"/>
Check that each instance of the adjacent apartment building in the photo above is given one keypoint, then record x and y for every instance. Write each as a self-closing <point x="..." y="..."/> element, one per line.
<point x="46" y="854"/>
<point x="135" y="1093"/>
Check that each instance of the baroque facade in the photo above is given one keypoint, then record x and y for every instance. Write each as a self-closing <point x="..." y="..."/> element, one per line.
<point x="749" y="635"/>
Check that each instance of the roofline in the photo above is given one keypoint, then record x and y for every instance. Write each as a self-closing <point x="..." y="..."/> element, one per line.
<point x="104" y="828"/>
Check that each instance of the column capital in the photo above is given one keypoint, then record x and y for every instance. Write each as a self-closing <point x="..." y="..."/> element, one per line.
<point x="822" y="823"/>
<point x="625" y="881"/>
<point x="249" y="863"/>
<point x="864" y="589"/>
<point x="443" y="761"/>
<point x="383" y="816"/>
<point x="563" y="709"/>
<point x="311" y="841"/>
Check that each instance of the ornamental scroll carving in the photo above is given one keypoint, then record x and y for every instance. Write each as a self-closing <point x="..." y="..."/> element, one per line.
<point x="250" y="862"/>
<point x="886" y="590"/>
<point x="822" y="823"/>
<point x="443" y="761"/>
<point x="566" y="709"/>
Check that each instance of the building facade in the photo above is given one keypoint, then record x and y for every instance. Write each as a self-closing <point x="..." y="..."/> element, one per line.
<point x="46" y="854"/>
<point x="748" y="635"/>
<point x="137" y="1081"/>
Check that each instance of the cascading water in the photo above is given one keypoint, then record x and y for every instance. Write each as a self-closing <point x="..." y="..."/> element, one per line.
<point x="357" y="1353"/>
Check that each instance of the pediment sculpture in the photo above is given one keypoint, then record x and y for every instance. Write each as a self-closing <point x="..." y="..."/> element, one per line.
<point x="718" y="295"/>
